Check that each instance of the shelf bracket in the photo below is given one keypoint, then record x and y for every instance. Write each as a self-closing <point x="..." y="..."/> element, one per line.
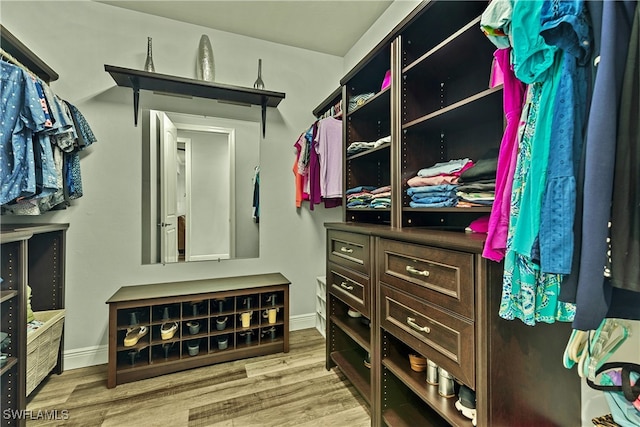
<point x="135" y="85"/>
<point x="263" y="104"/>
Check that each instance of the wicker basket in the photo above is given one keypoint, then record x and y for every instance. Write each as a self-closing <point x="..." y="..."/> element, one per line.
<point x="42" y="347"/>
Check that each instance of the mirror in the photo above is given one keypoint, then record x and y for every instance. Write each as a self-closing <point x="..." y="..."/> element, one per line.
<point x="200" y="188"/>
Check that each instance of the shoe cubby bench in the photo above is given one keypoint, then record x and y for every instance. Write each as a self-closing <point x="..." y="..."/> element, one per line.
<point x="162" y="328"/>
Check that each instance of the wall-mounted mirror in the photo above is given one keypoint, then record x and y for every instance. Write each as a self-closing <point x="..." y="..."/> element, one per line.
<point x="200" y="188"/>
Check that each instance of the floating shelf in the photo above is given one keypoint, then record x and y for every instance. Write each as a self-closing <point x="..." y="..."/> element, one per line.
<point x="139" y="79"/>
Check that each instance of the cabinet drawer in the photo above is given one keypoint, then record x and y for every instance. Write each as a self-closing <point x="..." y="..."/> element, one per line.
<point x="349" y="249"/>
<point x="445" y="338"/>
<point x="440" y="276"/>
<point x="350" y="287"/>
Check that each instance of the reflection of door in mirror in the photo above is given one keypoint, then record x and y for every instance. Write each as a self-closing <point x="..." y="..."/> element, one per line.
<point x="168" y="203"/>
<point x="192" y="208"/>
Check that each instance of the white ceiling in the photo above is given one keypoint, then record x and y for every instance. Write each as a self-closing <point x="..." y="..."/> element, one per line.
<point x="326" y="26"/>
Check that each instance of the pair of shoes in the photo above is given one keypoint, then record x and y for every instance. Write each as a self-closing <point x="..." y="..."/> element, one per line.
<point x="134" y="335"/>
<point x="417" y="362"/>
<point x="467" y="403"/>
<point x="168" y="330"/>
<point x="353" y="313"/>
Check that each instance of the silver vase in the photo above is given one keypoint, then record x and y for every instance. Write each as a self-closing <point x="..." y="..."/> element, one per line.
<point x="259" y="84"/>
<point x="205" y="67"/>
<point x="148" y="65"/>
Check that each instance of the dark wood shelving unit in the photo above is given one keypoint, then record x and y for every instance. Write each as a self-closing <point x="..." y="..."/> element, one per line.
<point x="426" y="286"/>
<point x="34" y="255"/>
<point x="149" y="301"/>
<point x="163" y="83"/>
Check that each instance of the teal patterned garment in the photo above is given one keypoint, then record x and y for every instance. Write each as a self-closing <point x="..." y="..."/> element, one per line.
<point x="527" y="293"/>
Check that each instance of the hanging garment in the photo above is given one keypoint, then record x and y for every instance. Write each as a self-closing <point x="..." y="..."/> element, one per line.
<point x="22" y="115"/>
<point x="625" y="210"/>
<point x="595" y="297"/>
<point x="329" y="147"/>
<point x="527" y="294"/>
<point x="566" y="26"/>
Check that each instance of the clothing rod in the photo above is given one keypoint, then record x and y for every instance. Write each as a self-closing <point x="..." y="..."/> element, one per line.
<point x="10" y="58"/>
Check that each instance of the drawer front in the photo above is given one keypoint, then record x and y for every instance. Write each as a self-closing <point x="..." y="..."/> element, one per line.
<point x="349" y="249"/>
<point x="445" y="338"/>
<point x="352" y="288"/>
<point x="440" y="276"/>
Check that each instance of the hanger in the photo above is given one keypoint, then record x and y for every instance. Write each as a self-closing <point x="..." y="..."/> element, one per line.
<point x="601" y="344"/>
<point x="575" y="348"/>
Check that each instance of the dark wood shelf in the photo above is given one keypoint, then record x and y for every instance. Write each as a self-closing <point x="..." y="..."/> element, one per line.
<point x="476" y="209"/>
<point x="416" y="382"/>
<point x="475" y="109"/>
<point x="14" y="47"/>
<point x="7" y="295"/>
<point x="163" y="83"/>
<point x="408" y="416"/>
<point x="352" y="366"/>
<point x="11" y="362"/>
<point x="378" y="104"/>
<point x="464" y="43"/>
<point x="355" y="330"/>
<point x="369" y="152"/>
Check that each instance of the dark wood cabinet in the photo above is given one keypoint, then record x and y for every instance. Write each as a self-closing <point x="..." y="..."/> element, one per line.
<point x="215" y="320"/>
<point x="414" y="274"/>
<point x="33" y="255"/>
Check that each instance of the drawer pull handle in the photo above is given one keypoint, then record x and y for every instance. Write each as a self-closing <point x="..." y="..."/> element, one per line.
<point x="344" y="285"/>
<point x="346" y="250"/>
<point x="414" y="270"/>
<point x="412" y="322"/>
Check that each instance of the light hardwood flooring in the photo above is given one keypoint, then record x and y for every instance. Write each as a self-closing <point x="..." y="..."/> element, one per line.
<point x="284" y="389"/>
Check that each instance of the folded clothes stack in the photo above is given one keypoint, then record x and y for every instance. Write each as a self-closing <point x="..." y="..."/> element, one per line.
<point x="369" y="197"/>
<point x="478" y="184"/>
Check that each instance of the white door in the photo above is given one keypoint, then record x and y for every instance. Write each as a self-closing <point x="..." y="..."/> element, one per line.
<point x="168" y="187"/>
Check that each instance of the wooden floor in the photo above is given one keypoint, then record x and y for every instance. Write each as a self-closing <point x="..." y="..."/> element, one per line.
<point x="285" y="389"/>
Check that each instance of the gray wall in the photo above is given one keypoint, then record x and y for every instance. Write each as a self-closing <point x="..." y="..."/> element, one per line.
<point x="76" y="38"/>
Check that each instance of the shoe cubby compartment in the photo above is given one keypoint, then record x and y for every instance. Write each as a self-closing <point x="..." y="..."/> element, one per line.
<point x="271" y="333"/>
<point x="163" y="313"/>
<point x="209" y="317"/>
<point x="221" y="306"/>
<point x="222" y="342"/>
<point x="247" y="338"/>
<point x="195" y="310"/>
<point x="165" y="352"/>
<point x="247" y="302"/>
<point x="195" y="328"/>
<point x="132" y="317"/>
<point x="133" y="357"/>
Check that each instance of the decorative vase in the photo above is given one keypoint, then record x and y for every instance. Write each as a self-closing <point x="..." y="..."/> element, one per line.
<point x="205" y="67"/>
<point x="148" y="65"/>
<point x="259" y="84"/>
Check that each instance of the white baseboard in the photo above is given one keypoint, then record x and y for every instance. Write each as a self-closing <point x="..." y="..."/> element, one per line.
<point x="87" y="356"/>
<point x="98" y="355"/>
<point x="302" y="321"/>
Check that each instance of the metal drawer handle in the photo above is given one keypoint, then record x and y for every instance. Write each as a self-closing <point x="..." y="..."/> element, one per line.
<point x="346" y="250"/>
<point x="412" y="322"/>
<point x="413" y="270"/>
<point x="344" y="285"/>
